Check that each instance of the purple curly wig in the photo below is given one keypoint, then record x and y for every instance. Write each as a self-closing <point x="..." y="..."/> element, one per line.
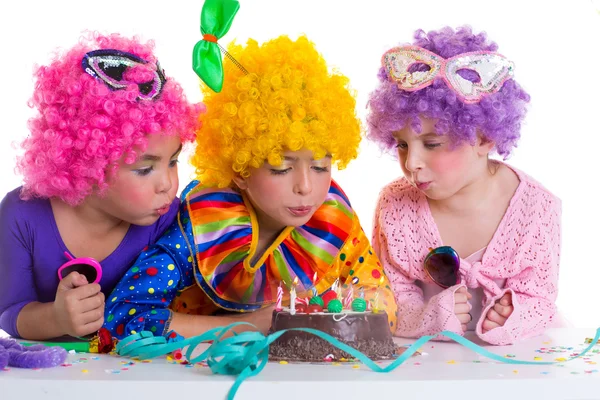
<point x="497" y="117"/>
<point x="14" y="354"/>
<point x="83" y="128"/>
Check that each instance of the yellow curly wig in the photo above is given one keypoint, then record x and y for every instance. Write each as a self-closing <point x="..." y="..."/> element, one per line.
<point x="288" y="101"/>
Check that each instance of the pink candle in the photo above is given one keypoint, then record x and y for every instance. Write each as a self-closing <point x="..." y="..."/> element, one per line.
<point x="278" y="305"/>
<point x="302" y="300"/>
<point x="349" y="297"/>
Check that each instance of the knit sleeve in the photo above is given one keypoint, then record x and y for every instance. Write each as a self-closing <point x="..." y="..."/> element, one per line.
<point x="535" y="288"/>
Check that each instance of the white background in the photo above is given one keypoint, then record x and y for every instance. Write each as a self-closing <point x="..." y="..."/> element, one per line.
<point x="554" y="44"/>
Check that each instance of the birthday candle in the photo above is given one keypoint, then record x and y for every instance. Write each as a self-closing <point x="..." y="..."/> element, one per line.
<point x="278" y="305"/>
<point x="293" y="297"/>
<point x="376" y="306"/>
<point x="349" y="297"/>
<point x="337" y="289"/>
<point x="300" y="300"/>
<point x="314" y="288"/>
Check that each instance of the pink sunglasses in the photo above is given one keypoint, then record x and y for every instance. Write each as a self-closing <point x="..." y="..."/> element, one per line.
<point x="86" y="266"/>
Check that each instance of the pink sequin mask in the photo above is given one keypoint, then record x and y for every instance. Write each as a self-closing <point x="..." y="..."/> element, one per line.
<point x="493" y="70"/>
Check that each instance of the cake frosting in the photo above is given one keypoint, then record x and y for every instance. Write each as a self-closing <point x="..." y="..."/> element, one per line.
<point x="365" y="331"/>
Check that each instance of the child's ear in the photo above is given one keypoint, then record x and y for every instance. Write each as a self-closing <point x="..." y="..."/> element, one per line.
<point x="240" y="182"/>
<point x="484" y="145"/>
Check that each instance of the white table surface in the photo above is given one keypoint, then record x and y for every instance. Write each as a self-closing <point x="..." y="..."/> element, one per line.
<point x="443" y="370"/>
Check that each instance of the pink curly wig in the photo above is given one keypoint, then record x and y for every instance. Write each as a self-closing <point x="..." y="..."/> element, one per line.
<point x="83" y="128"/>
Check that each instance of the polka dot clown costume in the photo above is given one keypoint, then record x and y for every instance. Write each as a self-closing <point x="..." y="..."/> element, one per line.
<point x="206" y="263"/>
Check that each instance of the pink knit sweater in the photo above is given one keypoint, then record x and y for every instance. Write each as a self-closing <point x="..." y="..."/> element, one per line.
<point x="524" y="251"/>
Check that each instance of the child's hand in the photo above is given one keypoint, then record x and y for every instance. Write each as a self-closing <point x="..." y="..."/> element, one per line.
<point x="462" y="306"/>
<point x="498" y="314"/>
<point x="78" y="306"/>
<point x="261" y="318"/>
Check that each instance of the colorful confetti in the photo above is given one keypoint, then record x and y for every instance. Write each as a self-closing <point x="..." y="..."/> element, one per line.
<point x="283" y="362"/>
<point x="555" y="349"/>
<point x="112" y="371"/>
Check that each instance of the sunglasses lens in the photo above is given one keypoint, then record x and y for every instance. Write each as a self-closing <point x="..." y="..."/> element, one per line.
<point x="86" y="270"/>
<point x="443" y="268"/>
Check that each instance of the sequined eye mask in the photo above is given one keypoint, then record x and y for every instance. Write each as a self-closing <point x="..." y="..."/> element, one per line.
<point x="492" y="68"/>
<point x="110" y="66"/>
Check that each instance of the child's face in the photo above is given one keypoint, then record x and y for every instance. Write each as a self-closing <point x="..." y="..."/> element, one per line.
<point x="290" y="193"/>
<point x="140" y="193"/>
<point x="434" y="166"/>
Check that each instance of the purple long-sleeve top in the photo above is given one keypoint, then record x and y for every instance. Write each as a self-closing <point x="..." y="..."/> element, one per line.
<point x="32" y="250"/>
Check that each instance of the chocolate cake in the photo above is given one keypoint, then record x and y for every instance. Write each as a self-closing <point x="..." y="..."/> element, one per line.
<point x="367" y="332"/>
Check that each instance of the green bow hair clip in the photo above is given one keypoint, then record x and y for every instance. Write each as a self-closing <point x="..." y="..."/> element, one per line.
<point x="215" y="21"/>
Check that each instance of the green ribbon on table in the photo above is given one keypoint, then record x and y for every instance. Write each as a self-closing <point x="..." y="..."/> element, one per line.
<point x="246" y="354"/>
<point x="215" y="21"/>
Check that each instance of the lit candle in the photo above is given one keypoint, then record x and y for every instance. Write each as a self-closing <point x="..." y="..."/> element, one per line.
<point x="376" y="305"/>
<point x="314" y="288"/>
<point x="337" y="289"/>
<point x="349" y="297"/>
<point x="278" y="306"/>
<point x="293" y="297"/>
